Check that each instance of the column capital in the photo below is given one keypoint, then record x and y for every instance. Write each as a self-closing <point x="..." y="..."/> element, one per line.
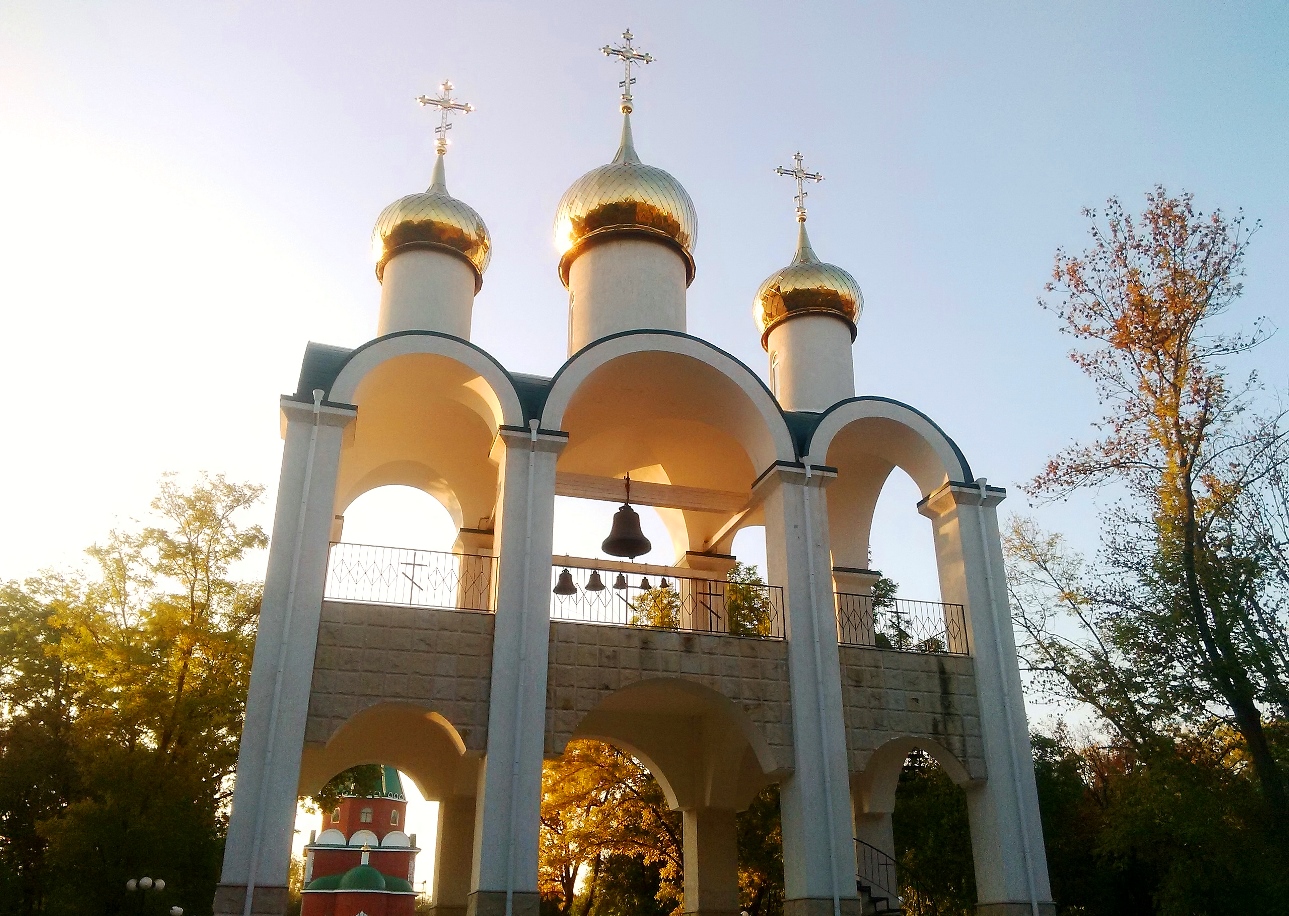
<point x="295" y="410"/>
<point x="528" y="438"/>
<point x="818" y="475"/>
<point x="954" y="493"/>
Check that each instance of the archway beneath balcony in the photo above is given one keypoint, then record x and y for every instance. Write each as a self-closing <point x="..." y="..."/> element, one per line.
<point x="912" y="822"/>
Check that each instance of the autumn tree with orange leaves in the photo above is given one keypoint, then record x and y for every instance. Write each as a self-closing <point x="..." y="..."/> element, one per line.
<point x="1183" y="622"/>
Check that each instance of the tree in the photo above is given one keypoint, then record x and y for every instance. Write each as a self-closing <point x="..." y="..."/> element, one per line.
<point x="597" y="803"/>
<point x="121" y="705"/>
<point x="657" y="607"/>
<point x="932" y="841"/>
<point x="1185" y="621"/>
<point x="747" y="602"/>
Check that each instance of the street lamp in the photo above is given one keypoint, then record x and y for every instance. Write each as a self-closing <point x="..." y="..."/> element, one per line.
<point x="145" y="884"/>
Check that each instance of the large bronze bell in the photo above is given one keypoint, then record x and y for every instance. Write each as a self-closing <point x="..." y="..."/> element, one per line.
<point x="626" y="539"/>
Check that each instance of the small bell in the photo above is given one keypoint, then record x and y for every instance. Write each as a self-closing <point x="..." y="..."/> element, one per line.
<point x="620" y="583"/>
<point x="595" y="583"/>
<point x="664" y="584"/>
<point x="564" y="585"/>
<point x="644" y="584"/>
<point x="625" y="538"/>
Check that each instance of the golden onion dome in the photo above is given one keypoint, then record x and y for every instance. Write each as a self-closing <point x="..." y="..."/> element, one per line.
<point x="625" y="197"/>
<point x="807" y="286"/>
<point x="432" y="219"/>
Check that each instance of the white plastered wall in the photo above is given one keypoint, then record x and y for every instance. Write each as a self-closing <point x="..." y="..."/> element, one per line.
<point x="623" y="284"/>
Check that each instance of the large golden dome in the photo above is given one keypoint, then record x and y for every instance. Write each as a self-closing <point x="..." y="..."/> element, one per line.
<point x="432" y="219"/>
<point x="625" y="196"/>
<point x="807" y="286"/>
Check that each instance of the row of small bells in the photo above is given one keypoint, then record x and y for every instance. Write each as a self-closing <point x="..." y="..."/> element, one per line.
<point x="625" y="539"/>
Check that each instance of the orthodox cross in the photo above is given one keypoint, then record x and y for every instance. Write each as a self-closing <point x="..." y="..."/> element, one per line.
<point x="446" y="106"/>
<point x="411" y="577"/>
<point x="629" y="56"/>
<point x="798" y="171"/>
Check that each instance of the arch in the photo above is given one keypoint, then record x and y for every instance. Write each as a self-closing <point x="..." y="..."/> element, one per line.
<point x="396" y="838"/>
<point x="505" y="404"/>
<point x="771" y="442"/>
<point x="701" y="747"/>
<point x="902" y="434"/>
<point x="417" y="741"/>
<point x="673" y="410"/>
<point x="331" y="837"/>
<point x="364" y="838"/>
<point x="875" y="787"/>
<point x="865" y="439"/>
<point x="429" y="407"/>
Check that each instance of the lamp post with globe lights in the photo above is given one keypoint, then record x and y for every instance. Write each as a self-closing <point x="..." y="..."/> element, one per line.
<point x="141" y="886"/>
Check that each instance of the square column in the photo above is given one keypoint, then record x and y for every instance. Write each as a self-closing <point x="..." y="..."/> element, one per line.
<point x="1006" y="832"/>
<point x="257" y="852"/>
<point x="504" y="881"/>
<point x="711" y="862"/>
<point x="453" y="855"/>
<point x="818" y="850"/>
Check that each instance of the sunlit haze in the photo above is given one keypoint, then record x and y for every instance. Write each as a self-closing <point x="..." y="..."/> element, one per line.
<point x="187" y="192"/>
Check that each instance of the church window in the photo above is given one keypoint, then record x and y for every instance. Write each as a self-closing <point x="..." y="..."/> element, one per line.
<point x="335" y="816"/>
<point x="365" y="817"/>
<point x="393" y="818"/>
<point x="774" y="372"/>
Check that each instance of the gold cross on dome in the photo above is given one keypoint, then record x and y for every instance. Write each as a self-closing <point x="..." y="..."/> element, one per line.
<point x="628" y="55"/>
<point x="798" y="171"/>
<point x="446" y="105"/>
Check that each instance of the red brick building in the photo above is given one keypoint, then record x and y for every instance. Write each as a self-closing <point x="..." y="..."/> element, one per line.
<point x="362" y="863"/>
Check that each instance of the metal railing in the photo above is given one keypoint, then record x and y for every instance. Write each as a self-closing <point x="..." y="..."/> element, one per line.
<point x="633" y="594"/>
<point x="895" y="623"/>
<point x="402" y="575"/>
<point x="876" y="876"/>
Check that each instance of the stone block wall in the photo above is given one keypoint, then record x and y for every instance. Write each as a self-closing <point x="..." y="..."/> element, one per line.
<point x="888" y="694"/>
<point x="588" y="662"/>
<point x="369" y="654"/>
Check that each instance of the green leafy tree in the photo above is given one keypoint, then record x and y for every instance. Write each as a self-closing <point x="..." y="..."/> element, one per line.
<point x="657" y="607"/>
<point x="932" y="842"/>
<point x="747" y="602"/>
<point x="121" y="708"/>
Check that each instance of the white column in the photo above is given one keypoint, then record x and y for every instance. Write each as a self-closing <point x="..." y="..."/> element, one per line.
<point x="453" y="855"/>
<point x="258" y="849"/>
<point x="1006" y="832"/>
<point x="510" y="784"/>
<point x="818" y="851"/>
<point x="624" y="284"/>
<point x="711" y="861"/>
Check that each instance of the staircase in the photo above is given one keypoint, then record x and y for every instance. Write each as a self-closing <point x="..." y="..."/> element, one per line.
<point x="878" y="888"/>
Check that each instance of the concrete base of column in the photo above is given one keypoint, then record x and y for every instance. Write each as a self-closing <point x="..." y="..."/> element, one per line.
<point x="1015" y="908"/>
<point x="448" y="910"/>
<point x="230" y="900"/>
<point x="821" y="906"/>
<point x="493" y="903"/>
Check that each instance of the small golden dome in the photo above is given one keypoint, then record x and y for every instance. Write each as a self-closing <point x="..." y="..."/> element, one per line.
<point x="625" y="196"/>
<point x="432" y="219"/>
<point x="807" y="286"/>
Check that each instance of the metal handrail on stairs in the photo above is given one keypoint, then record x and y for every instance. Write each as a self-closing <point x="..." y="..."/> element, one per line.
<point x="876" y="877"/>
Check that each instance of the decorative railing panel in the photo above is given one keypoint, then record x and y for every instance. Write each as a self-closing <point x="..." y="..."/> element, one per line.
<point x="657" y="597"/>
<point x="895" y="623"/>
<point x="402" y="575"/>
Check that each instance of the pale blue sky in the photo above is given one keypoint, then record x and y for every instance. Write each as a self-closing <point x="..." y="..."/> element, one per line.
<point x="187" y="191"/>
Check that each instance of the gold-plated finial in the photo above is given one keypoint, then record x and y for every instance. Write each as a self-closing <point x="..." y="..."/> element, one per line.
<point x="446" y="106"/>
<point x="798" y="171"/>
<point x="628" y="55"/>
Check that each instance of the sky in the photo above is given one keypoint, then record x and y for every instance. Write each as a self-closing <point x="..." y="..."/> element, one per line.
<point x="187" y="193"/>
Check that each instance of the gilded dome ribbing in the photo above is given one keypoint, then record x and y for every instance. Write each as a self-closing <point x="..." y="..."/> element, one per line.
<point x="432" y="219"/>
<point x="625" y="197"/>
<point x="807" y="286"/>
